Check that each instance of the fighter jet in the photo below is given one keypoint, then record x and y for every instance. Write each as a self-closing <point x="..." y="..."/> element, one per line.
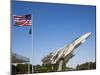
<point x="67" y="52"/>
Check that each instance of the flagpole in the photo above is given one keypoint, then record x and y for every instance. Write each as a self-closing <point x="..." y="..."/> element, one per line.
<point x="32" y="44"/>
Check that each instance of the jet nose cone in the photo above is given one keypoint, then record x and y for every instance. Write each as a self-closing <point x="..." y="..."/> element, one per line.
<point x="89" y="33"/>
<point x="86" y="35"/>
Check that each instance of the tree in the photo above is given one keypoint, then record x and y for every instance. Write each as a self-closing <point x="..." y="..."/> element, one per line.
<point x="86" y="66"/>
<point x="22" y="69"/>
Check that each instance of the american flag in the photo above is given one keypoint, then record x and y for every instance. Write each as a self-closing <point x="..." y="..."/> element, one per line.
<point x="23" y="20"/>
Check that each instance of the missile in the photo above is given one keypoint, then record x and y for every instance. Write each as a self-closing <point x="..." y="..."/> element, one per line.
<point x="62" y="53"/>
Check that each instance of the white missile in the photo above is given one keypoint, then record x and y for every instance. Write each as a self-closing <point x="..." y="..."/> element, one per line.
<point x="62" y="53"/>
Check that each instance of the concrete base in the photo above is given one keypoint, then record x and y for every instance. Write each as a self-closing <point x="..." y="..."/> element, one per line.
<point x="60" y="65"/>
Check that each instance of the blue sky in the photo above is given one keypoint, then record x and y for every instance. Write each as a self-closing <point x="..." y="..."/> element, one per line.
<point x="54" y="26"/>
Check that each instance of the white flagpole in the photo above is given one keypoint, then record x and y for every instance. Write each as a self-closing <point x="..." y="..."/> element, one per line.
<point x="32" y="45"/>
<point x="29" y="66"/>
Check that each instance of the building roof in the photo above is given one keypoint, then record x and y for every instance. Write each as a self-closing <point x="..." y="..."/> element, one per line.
<point x="16" y="58"/>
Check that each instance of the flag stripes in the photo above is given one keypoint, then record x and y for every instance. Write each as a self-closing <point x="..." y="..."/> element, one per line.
<point x="24" y="20"/>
